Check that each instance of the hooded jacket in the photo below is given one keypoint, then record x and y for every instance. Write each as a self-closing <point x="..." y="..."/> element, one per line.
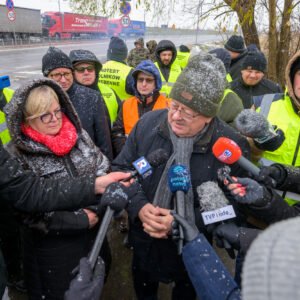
<point x="118" y="130"/>
<point x="151" y="45"/>
<point x="164" y="45"/>
<point x="60" y="238"/>
<point x="84" y="159"/>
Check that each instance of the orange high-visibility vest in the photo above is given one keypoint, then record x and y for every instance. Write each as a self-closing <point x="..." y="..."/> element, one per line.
<point x="131" y="113"/>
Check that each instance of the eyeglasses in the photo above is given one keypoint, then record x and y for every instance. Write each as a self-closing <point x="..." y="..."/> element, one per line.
<point x="148" y="80"/>
<point x="58" y="76"/>
<point x="187" y="115"/>
<point x="48" y="117"/>
<point x="82" y="69"/>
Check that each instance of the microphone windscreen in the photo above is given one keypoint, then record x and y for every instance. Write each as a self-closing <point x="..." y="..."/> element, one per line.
<point x="252" y="124"/>
<point x="211" y="197"/>
<point x="226" y="150"/>
<point x="115" y="196"/>
<point x="179" y="178"/>
<point x="158" y="157"/>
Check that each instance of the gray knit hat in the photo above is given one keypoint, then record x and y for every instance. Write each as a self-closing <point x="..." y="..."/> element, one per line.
<point x="201" y="84"/>
<point x="272" y="267"/>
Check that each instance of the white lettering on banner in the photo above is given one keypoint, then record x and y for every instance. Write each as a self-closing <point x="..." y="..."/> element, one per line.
<point x="218" y="215"/>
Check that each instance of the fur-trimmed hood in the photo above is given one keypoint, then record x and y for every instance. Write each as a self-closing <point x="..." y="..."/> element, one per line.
<point x="14" y="110"/>
<point x="289" y="81"/>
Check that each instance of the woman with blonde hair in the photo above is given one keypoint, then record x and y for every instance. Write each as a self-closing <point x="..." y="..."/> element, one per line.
<point x="48" y="139"/>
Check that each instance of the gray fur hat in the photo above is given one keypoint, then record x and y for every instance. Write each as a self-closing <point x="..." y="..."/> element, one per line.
<point x="272" y="267"/>
<point x="201" y="84"/>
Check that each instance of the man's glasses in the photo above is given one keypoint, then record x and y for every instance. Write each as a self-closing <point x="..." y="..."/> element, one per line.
<point x="186" y="114"/>
<point x="48" y="117"/>
<point x="58" y="76"/>
<point x="82" y="69"/>
<point x="148" y="80"/>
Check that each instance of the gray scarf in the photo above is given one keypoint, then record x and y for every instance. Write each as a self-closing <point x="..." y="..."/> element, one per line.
<point x="183" y="148"/>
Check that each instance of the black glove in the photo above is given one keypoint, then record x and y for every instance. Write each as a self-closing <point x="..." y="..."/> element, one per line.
<point x="190" y="231"/>
<point x="229" y="232"/>
<point x="256" y="194"/>
<point x="270" y="144"/>
<point x="271" y="176"/>
<point x="116" y="196"/>
<point x="87" y="285"/>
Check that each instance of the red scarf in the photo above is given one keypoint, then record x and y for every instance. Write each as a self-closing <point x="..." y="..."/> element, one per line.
<point x="60" y="144"/>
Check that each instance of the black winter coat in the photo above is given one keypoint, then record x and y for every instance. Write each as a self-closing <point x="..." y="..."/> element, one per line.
<point x="246" y="92"/>
<point x="91" y="112"/>
<point x="151" y="132"/>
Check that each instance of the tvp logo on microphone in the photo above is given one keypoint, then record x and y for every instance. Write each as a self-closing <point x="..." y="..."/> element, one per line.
<point x="143" y="167"/>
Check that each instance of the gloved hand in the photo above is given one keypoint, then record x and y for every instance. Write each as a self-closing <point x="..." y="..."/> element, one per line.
<point x="254" y="193"/>
<point x="190" y="231"/>
<point x="229" y="232"/>
<point x="87" y="285"/>
<point x="116" y="196"/>
<point x="270" y="143"/>
<point x="271" y="176"/>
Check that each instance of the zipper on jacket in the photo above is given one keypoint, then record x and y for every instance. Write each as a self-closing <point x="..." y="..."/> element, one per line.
<point x="70" y="167"/>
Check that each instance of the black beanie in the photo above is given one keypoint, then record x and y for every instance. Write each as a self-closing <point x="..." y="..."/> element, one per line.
<point x="184" y="48"/>
<point x="53" y="59"/>
<point x="117" y="50"/>
<point x="255" y="61"/>
<point x="235" y="44"/>
<point x="295" y="67"/>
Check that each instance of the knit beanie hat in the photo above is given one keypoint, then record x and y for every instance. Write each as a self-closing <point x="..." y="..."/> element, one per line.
<point x="272" y="267"/>
<point x="255" y="61"/>
<point x="53" y="59"/>
<point x="235" y="44"/>
<point x="117" y="50"/>
<point x="82" y="56"/>
<point x="184" y="48"/>
<point x="223" y="55"/>
<point x="201" y="84"/>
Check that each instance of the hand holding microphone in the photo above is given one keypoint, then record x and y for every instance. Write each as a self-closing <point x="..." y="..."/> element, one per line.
<point x="256" y="126"/>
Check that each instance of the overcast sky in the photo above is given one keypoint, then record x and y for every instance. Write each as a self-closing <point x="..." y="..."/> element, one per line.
<point x="176" y="16"/>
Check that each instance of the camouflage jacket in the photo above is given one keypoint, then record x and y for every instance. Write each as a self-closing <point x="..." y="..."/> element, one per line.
<point x="135" y="56"/>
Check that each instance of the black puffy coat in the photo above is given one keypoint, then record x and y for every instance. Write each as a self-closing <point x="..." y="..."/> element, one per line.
<point x="246" y="92"/>
<point x="54" y="242"/>
<point x="236" y="65"/>
<point x="91" y="111"/>
<point x="159" y="256"/>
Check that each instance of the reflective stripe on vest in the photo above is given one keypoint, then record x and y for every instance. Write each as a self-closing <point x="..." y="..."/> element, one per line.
<point x="110" y="100"/>
<point x="182" y="58"/>
<point x="226" y="92"/>
<point x="4" y="133"/>
<point x="228" y="77"/>
<point x="114" y="74"/>
<point x="282" y="114"/>
<point x="167" y="85"/>
<point x="131" y="114"/>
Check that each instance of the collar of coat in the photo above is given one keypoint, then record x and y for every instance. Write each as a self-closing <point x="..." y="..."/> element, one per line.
<point x="201" y="146"/>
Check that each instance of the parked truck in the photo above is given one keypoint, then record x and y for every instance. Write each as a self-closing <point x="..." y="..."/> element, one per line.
<point x="135" y="28"/>
<point x="27" y="23"/>
<point x="68" y="25"/>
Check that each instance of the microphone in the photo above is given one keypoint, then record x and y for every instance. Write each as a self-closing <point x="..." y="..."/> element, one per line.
<point x="4" y="82"/>
<point x="229" y="152"/>
<point x="256" y="126"/>
<point x="179" y="182"/>
<point x="143" y="167"/>
<point x="115" y="198"/>
<point x="216" y="208"/>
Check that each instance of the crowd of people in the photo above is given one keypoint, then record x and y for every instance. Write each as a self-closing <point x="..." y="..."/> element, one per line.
<point x="73" y="135"/>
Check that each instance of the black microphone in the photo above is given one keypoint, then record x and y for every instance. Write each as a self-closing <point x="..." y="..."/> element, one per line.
<point x="215" y="207"/>
<point x="179" y="183"/>
<point x="115" y="198"/>
<point x="144" y="167"/>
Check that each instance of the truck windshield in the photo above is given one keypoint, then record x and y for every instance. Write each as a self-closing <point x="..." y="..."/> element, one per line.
<point x="47" y="21"/>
